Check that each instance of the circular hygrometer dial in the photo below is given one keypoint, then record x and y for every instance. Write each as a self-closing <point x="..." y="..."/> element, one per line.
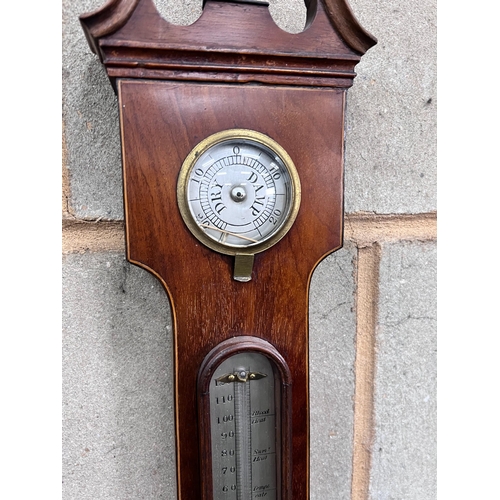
<point x="238" y="192"/>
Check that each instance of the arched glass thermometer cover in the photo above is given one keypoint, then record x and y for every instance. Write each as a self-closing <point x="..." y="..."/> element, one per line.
<point x="246" y="428"/>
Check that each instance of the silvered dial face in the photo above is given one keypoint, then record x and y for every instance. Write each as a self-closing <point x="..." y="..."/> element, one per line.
<point x="241" y="191"/>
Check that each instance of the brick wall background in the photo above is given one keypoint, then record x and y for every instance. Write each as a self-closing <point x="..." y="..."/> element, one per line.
<point x="373" y="303"/>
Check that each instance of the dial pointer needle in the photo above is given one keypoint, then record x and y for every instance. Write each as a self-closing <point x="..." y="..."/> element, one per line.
<point x="228" y="232"/>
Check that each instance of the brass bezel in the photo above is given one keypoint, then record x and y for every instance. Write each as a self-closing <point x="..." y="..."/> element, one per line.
<point x="182" y="185"/>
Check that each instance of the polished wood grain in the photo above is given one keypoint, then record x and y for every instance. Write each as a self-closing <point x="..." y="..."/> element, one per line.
<point x="105" y="20"/>
<point x="342" y="17"/>
<point x="231" y="41"/>
<point x="160" y="123"/>
<point x="233" y="68"/>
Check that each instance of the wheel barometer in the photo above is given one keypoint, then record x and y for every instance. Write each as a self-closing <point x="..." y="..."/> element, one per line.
<point x="232" y="150"/>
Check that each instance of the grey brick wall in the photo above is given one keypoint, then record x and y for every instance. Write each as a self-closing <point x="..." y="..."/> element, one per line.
<point x="372" y="304"/>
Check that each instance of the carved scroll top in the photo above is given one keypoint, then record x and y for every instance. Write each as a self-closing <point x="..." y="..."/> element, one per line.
<point x="115" y="15"/>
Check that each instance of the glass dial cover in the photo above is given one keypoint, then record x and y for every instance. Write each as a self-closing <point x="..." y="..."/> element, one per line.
<point x="238" y="192"/>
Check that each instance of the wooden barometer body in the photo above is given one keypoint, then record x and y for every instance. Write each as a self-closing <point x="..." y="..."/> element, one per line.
<point x="232" y="146"/>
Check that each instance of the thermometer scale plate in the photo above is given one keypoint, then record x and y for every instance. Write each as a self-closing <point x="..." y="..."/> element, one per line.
<point x="243" y="424"/>
<point x="245" y="387"/>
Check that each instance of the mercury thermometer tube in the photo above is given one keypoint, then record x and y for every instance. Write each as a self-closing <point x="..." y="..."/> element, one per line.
<point x="243" y="429"/>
